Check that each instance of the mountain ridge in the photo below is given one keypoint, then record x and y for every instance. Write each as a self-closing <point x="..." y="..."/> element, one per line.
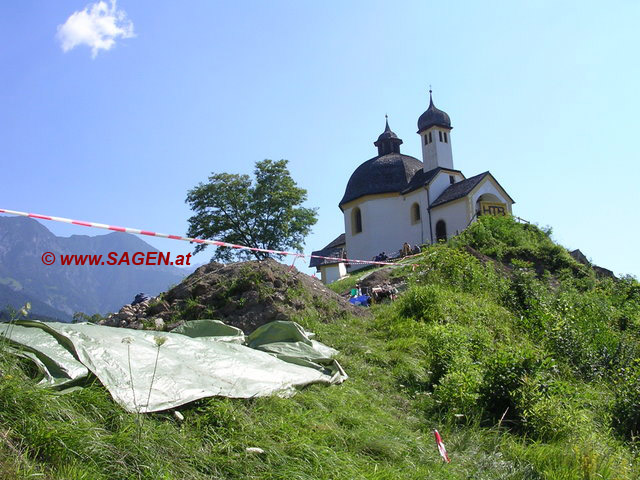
<point x="68" y="289"/>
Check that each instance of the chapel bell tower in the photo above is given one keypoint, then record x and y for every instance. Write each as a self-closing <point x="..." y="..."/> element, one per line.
<point x="434" y="128"/>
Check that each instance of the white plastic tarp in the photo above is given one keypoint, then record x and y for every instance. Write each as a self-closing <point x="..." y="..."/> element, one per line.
<point x="148" y="371"/>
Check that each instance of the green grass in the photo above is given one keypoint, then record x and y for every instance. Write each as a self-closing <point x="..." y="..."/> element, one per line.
<point x="530" y="373"/>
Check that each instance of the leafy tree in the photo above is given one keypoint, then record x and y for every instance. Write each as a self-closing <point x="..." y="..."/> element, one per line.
<point x="79" y="317"/>
<point x="263" y="213"/>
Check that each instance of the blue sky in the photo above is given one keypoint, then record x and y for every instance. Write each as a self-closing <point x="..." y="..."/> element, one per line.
<point x="543" y="94"/>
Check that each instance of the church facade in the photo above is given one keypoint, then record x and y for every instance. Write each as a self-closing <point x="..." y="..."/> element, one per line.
<point x="393" y="199"/>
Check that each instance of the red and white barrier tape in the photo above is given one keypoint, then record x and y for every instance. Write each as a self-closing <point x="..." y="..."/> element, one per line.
<point x="441" y="449"/>
<point x="187" y="239"/>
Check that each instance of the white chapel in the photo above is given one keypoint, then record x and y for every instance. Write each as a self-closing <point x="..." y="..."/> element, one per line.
<point x="392" y="198"/>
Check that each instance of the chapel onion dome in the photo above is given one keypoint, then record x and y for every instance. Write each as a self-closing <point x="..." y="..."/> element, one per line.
<point x="387" y="134"/>
<point x="433" y="117"/>
<point x="389" y="172"/>
<point x="388" y="142"/>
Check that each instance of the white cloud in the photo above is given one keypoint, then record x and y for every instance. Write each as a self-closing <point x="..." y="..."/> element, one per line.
<point x="97" y="26"/>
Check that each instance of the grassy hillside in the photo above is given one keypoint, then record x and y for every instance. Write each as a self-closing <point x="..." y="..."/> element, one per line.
<point x="525" y="361"/>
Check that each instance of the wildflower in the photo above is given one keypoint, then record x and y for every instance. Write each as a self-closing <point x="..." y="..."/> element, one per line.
<point x="24" y="311"/>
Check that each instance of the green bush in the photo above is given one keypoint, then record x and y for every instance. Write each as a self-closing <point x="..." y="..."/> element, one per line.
<point x="458" y="390"/>
<point x="505" y="239"/>
<point x="435" y="304"/>
<point x="421" y="303"/>
<point x="504" y="373"/>
<point x="582" y="327"/>
<point x="626" y="406"/>
<point x="526" y="294"/>
<point x="542" y="416"/>
<point x="457" y="270"/>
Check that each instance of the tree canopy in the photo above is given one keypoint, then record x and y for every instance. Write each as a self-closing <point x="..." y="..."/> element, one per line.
<point x="265" y="212"/>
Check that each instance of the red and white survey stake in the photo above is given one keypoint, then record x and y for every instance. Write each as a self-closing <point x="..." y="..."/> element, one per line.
<point x="137" y="231"/>
<point x="441" y="449"/>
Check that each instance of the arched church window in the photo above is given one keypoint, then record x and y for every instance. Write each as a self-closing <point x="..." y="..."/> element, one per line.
<point x="356" y="221"/>
<point x="441" y="231"/>
<point x="415" y="213"/>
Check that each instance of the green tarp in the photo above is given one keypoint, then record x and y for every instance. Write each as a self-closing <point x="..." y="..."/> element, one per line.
<point x="204" y="358"/>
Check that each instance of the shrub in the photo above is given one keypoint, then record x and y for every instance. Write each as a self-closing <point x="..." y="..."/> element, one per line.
<point x="458" y="390"/>
<point x="457" y="270"/>
<point x="581" y="327"/>
<point x="504" y="372"/>
<point x="626" y="406"/>
<point x="543" y="416"/>
<point x="526" y="294"/>
<point x="421" y="303"/>
<point x="505" y="239"/>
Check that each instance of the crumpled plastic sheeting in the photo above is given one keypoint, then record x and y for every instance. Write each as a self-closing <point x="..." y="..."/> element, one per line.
<point x="211" y="329"/>
<point x="146" y="371"/>
<point x="290" y="342"/>
<point x="58" y="366"/>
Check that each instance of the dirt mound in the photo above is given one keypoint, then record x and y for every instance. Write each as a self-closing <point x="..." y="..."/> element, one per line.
<point x="380" y="277"/>
<point x="245" y="295"/>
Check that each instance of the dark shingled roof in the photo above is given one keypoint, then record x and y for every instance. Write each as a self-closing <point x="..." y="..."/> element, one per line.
<point x="382" y="174"/>
<point x="459" y="189"/>
<point x="433" y="117"/>
<point x="340" y="241"/>
<point x="421" y="178"/>
<point x="334" y="249"/>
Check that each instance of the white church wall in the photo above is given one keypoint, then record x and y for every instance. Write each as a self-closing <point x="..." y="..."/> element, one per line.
<point x="440" y="184"/>
<point x="386" y="225"/>
<point x="455" y="215"/>
<point x="419" y="233"/>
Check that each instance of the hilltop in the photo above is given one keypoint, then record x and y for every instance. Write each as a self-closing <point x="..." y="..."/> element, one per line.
<point x="245" y="295"/>
<point x="525" y="360"/>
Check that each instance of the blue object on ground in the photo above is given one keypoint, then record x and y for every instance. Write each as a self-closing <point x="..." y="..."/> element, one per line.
<point x="362" y="300"/>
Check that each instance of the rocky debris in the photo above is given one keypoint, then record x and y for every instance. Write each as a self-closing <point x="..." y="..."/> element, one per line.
<point x="600" y="271"/>
<point x="579" y="256"/>
<point x="129" y="316"/>
<point x="246" y="295"/>
<point x="603" y="272"/>
<point x="159" y="324"/>
<point x="381" y="277"/>
<point x="384" y="291"/>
